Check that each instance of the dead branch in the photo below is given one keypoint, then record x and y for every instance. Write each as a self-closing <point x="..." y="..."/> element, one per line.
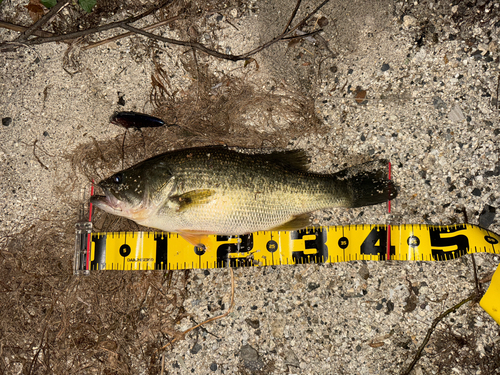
<point x="476" y="296"/>
<point x="147" y="28"/>
<point x="294" y="13"/>
<point x="472" y="297"/>
<point x="308" y="16"/>
<point x="181" y="335"/>
<point x="125" y="24"/>
<point x="42" y="21"/>
<point x="14" y="27"/>
<point x="286" y="33"/>
<point x="194" y="45"/>
<point x="110" y="26"/>
<point x="303" y="35"/>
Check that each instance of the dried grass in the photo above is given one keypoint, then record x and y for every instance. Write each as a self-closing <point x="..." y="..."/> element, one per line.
<point x="52" y="322"/>
<point x="117" y="322"/>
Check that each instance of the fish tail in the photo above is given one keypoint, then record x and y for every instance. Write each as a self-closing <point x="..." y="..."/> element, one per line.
<point x="368" y="183"/>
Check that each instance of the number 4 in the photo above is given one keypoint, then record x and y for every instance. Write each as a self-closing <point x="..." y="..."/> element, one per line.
<point x="376" y="243"/>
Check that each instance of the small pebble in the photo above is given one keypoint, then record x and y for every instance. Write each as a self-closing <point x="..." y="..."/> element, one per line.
<point x="363" y="272"/>
<point x="385" y="67"/>
<point x="312" y="286"/>
<point x="409" y="21"/>
<point x="196" y="348"/>
<point x="213" y="366"/>
<point x="438" y="103"/>
<point x="121" y="100"/>
<point x="390" y="307"/>
<point x="291" y="358"/>
<point x="250" y="357"/>
<point x="6" y="121"/>
<point x="254" y="323"/>
<point x="476" y="192"/>
<point x="487" y="216"/>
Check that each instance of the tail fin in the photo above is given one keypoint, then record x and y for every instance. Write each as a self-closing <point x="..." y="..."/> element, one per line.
<point x="368" y="183"/>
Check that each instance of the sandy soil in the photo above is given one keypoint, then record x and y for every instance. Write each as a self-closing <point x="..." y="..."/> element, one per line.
<point x="430" y="70"/>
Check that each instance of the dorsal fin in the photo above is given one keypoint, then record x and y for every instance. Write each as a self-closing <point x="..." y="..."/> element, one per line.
<point x="291" y="160"/>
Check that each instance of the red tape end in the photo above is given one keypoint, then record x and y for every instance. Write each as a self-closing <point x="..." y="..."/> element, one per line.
<point x="389" y="226"/>
<point x="89" y="236"/>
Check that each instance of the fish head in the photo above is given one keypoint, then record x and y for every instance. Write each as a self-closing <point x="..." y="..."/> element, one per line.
<point x="125" y="194"/>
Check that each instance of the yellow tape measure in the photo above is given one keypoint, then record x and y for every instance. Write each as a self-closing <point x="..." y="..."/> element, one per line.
<point x="129" y="251"/>
<point x="169" y="251"/>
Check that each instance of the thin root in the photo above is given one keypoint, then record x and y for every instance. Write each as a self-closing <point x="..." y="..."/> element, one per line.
<point x="181" y="335"/>
<point x="36" y="156"/>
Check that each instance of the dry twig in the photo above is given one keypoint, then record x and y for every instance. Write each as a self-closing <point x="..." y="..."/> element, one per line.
<point x="117" y="37"/>
<point x="42" y="21"/>
<point x="14" y="27"/>
<point x="472" y="297"/>
<point x="36" y="156"/>
<point x="476" y="296"/>
<point x="181" y="335"/>
<point x="110" y="26"/>
<point x="125" y="24"/>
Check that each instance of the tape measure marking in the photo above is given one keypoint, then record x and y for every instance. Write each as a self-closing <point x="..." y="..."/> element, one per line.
<point x="168" y="251"/>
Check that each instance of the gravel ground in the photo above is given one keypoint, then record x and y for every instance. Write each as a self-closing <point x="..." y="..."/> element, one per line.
<point x="414" y="82"/>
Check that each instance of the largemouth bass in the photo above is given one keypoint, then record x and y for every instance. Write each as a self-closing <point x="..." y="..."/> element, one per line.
<point x="215" y="190"/>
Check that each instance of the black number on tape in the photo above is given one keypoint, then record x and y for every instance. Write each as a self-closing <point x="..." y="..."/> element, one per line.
<point x="125" y="250"/>
<point x="376" y="243"/>
<point x="491" y="240"/>
<point x="161" y="262"/>
<point x="200" y="250"/>
<point x="413" y="241"/>
<point x="343" y="242"/>
<point x="99" y="261"/>
<point x="271" y="246"/>
<point x="318" y="244"/>
<point x="460" y="242"/>
<point x="243" y="248"/>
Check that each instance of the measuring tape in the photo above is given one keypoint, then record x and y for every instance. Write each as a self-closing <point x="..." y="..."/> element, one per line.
<point x="168" y="251"/>
<point x="131" y="251"/>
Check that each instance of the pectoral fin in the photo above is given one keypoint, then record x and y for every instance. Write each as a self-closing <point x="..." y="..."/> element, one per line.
<point x="191" y="198"/>
<point x="296" y="223"/>
<point x="195" y="238"/>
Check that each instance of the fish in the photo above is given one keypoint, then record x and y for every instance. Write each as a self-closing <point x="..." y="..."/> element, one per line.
<point x="201" y="191"/>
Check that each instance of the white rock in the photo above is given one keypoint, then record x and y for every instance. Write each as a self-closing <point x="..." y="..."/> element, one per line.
<point x="456" y="114"/>
<point x="409" y="21"/>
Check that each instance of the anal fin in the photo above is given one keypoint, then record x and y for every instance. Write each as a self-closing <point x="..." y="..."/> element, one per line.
<point x="296" y="223"/>
<point x="195" y="238"/>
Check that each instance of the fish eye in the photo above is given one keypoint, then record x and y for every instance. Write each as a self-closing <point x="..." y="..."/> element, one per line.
<point x="118" y="178"/>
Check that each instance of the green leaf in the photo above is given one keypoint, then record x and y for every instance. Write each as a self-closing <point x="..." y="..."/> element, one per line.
<point x="48" y="3"/>
<point x="87" y="5"/>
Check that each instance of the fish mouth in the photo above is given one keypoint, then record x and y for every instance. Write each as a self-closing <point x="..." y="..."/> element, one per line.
<point x="107" y="202"/>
